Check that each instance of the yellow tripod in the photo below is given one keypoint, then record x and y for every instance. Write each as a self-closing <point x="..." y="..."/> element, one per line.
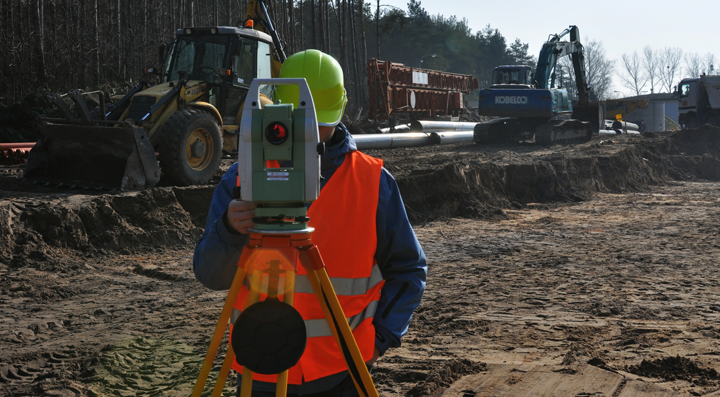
<point x="268" y="253"/>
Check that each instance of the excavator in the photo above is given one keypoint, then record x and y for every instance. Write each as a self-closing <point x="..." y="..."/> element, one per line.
<point x="529" y="104"/>
<point x="178" y="129"/>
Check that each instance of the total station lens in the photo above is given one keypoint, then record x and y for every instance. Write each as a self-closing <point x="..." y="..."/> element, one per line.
<point x="276" y="133"/>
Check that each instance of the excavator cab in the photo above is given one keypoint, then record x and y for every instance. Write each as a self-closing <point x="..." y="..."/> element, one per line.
<point x="520" y="76"/>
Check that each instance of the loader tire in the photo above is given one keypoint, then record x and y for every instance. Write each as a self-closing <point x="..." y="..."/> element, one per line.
<point x="190" y="147"/>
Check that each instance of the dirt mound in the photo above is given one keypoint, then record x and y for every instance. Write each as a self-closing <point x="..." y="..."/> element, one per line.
<point x="34" y="230"/>
<point x="675" y="368"/>
<point x="480" y="181"/>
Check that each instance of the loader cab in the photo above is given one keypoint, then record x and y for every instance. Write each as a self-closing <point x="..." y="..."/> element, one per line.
<point x="226" y="58"/>
<point x="512" y="76"/>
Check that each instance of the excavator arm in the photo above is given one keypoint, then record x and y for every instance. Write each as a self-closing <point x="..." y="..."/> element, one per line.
<point x="258" y="14"/>
<point x="555" y="49"/>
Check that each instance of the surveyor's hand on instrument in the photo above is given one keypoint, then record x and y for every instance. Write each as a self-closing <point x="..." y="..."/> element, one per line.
<point x="240" y="215"/>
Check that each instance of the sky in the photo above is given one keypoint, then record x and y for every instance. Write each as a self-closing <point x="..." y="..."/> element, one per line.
<point x="621" y="26"/>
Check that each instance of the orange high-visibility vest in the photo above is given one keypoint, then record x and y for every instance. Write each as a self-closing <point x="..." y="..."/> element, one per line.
<point x="344" y="218"/>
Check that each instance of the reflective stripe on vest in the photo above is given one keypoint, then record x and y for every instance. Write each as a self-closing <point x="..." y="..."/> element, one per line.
<point x="342" y="286"/>
<point x="344" y="218"/>
<point x="320" y="327"/>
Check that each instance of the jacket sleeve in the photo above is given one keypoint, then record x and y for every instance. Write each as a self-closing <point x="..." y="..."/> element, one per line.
<point x="218" y="250"/>
<point x="402" y="263"/>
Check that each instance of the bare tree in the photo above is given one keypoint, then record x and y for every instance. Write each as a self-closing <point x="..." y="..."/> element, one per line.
<point x="599" y="69"/>
<point x="693" y="65"/>
<point x="96" y="50"/>
<point x="634" y="77"/>
<point x="40" y="39"/>
<point x="709" y="65"/>
<point x="651" y="64"/>
<point x="669" y="66"/>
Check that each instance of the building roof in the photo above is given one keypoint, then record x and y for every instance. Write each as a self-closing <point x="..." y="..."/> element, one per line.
<point x="661" y="97"/>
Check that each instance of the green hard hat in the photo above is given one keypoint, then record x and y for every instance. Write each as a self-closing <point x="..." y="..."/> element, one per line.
<point x="325" y="79"/>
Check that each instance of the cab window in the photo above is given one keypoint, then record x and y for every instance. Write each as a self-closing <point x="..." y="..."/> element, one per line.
<point x="244" y="64"/>
<point x="528" y="77"/>
<point x="263" y="64"/>
<point x="199" y="56"/>
<point x="684" y="89"/>
<point x="264" y="67"/>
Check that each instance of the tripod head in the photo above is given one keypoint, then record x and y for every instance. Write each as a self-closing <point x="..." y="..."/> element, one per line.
<point x="279" y="157"/>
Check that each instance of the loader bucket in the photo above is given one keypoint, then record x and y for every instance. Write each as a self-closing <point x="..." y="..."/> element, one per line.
<point x="594" y="113"/>
<point x="96" y="157"/>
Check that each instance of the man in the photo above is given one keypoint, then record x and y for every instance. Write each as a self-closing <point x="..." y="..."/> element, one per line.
<point x="362" y="232"/>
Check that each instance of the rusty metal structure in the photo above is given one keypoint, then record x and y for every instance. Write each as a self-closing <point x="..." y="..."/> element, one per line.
<point x="396" y="89"/>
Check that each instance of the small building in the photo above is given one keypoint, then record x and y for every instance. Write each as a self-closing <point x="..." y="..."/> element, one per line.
<point x="659" y="107"/>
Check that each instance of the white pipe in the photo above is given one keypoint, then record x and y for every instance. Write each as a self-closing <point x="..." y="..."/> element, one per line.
<point x="436" y="126"/>
<point x="390" y="141"/>
<point x="448" y="137"/>
<point x="624" y="125"/>
<point x="398" y="128"/>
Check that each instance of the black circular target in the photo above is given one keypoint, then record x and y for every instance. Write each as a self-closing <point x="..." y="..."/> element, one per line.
<point x="269" y="337"/>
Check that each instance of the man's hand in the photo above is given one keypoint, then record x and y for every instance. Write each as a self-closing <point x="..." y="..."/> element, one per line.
<point x="240" y="215"/>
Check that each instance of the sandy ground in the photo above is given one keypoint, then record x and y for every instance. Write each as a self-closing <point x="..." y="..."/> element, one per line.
<point x="569" y="270"/>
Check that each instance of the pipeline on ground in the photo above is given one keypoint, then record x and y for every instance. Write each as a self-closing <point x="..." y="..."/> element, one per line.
<point x="15" y="152"/>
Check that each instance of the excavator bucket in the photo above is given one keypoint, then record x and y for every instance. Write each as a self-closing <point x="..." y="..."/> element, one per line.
<point x="593" y="113"/>
<point x="91" y="156"/>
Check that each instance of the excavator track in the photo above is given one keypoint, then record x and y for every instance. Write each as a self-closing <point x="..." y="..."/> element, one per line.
<point x="563" y="131"/>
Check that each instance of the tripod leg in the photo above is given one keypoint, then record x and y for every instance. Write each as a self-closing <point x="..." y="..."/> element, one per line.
<point x="246" y="385"/>
<point x="281" y="385"/>
<point x="312" y="261"/>
<point x="219" y="330"/>
<point x="288" y="295"/>
<point x="253" y="297"/>
<point x="224" y="371"/>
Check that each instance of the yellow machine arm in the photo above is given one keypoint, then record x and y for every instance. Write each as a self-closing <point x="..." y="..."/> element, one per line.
<point x="257" y="13"/>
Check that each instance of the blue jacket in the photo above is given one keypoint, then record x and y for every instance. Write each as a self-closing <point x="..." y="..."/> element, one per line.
<point x="399" y="255"/>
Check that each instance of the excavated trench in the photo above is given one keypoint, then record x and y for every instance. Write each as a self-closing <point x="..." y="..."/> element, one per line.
<point x="456" y="181"/>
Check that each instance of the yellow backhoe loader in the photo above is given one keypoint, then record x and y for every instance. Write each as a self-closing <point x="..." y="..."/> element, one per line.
<point x="615" y="108"/>
<point x="176" y="130"/>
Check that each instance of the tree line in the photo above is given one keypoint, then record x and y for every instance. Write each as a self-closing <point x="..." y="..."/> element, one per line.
<point x="58" y="45"/>
<point x="659" y="70"/>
